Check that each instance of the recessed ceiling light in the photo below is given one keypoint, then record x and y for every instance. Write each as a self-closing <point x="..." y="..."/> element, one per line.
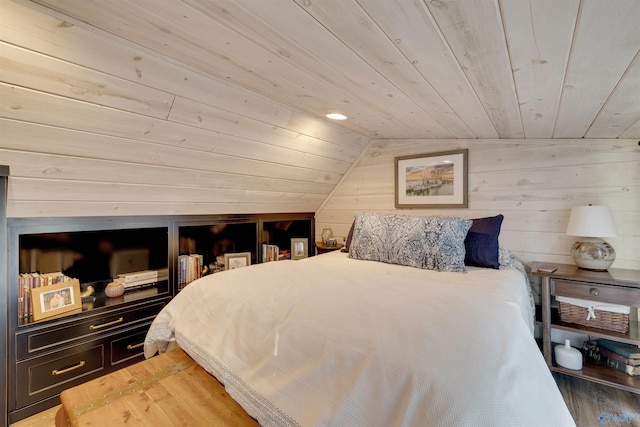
<point x="337" y="116"/>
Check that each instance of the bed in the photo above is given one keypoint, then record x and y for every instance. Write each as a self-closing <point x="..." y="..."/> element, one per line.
<point x="348" y="339"/>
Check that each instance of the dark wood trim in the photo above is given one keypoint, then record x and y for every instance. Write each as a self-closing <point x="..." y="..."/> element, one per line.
<point x="4" y="174"/>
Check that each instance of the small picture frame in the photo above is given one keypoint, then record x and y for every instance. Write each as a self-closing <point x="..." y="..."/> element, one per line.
<point x="53" y="300"/>
<point x="436" y="180"/>
<point x="237" y="260"/>
<point x="299" y="248"/>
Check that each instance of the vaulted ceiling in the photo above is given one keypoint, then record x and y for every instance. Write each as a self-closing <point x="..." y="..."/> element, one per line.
<point x="408" y="68"/>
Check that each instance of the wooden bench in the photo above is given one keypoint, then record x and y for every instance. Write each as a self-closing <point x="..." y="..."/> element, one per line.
<point x="166" y="390"/>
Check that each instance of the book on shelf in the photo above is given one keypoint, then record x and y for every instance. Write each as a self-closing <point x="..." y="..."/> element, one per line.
<point x="189" y="269"/>
<point x="141" y="278"/>
<point x="28" y="281"/>
<point x="629" y="351"/>
<point x="144" y="275"/>
<point x="609" y="358"/>
<point x="620" y="358"/>
<point x="270" y="252"/>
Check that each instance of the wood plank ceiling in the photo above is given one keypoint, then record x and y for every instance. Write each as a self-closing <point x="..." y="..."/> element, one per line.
<point x="405" y="68"/>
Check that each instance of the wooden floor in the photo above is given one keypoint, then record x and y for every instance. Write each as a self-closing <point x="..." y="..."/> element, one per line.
<point x="586" y="401"/>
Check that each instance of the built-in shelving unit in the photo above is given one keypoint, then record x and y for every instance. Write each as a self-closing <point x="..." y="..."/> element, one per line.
<point x="51" y="354"/>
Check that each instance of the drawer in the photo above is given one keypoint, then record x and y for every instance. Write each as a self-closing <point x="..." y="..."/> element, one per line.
<point x="596" y="292"/>
<point x="50" y="374"/>
<point x="129" y="344"/>
<point x="30" y="342"/>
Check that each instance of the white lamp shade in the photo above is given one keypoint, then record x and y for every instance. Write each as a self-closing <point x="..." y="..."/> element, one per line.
<point x="591" y="221"/>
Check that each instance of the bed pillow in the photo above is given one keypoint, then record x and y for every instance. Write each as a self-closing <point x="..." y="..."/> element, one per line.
<point x="395" y="239"/>
<point x="434" y="243"/>
<point x="347" y="243"/>
<point x="481" y="243"/>
<point x="445" y="243"/>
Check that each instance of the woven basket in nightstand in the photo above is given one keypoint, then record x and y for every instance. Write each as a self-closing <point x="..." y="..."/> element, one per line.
<point x="609" y="320"/>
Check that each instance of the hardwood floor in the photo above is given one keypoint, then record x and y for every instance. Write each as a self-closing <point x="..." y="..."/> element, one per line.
<point x="586" y="401"/>
<point x="43" y="419"/>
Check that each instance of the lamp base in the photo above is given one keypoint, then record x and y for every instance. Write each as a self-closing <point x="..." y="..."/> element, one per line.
<point x="592" y="253"/>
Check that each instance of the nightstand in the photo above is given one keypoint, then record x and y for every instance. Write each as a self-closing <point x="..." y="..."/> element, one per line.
<point x="616" y="286"/>
<point x="322" y="248"/>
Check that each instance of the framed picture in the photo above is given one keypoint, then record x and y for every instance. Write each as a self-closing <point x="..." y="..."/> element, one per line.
<point x="437" y="180"/>
<point x="52" y="300"/>
<point x="299" y="248"/>
<point x="237" y="260"/>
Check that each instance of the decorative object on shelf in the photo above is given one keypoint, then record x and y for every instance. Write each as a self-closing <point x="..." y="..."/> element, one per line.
<point x="114" y="289"/>
<point x="89" y="290"/>
<point x="299" y="248"/>
<point x="591" y="223"/>
<point x="568" y="357"/>
<point x="327" y="234"/>
<point x="597" y="314"/>
<point x="436" y="180"/>
<point x="237" y="260"/>
<point x="56" y="299"/>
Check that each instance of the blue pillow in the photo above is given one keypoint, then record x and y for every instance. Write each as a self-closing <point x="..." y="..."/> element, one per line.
<point x="481" y="243"/>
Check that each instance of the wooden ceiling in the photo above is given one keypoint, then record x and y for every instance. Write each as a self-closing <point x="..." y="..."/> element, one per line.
<point x="408" y="68"/>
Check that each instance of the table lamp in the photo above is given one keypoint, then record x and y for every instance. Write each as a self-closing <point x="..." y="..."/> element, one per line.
<point x="591" y="223"/>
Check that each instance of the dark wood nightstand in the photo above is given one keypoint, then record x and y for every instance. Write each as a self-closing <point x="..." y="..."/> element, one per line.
<point x="321" y="248"/>
<point x="615" y="286"/>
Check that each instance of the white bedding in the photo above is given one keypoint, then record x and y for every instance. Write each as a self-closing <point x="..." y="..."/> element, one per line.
<point x="333" y="341"/>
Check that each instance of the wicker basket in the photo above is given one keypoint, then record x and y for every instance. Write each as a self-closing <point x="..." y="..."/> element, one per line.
<point x="608" y="320"/>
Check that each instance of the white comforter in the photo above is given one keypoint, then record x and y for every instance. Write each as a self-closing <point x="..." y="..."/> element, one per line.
<point x="333" y="341"/>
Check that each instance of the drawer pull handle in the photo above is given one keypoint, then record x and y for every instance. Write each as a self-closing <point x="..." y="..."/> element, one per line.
<point x="69" y="369"/>
<point x="104" y="325"/>
<point x="134" y="346"/>
<point x="594" y="291"/>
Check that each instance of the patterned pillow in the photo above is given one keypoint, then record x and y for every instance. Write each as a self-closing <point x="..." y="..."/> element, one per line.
<point x="396" y="239"/>
<point x="434" y="243"/>
<point x="445" y="243"/>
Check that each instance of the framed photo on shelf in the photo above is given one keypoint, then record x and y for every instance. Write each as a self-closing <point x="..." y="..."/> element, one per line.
<point x="237" y="260"/>
<point x="436" y="180"/>
<point x="299" y="248"/>
<point x="53" y="300"/>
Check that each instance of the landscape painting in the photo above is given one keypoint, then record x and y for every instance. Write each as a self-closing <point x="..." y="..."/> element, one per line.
<point x="432" y="180"/>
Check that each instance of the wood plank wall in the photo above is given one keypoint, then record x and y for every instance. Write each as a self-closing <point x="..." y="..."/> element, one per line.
<point x="94" y="125"/>
<point x="533" y="183"/>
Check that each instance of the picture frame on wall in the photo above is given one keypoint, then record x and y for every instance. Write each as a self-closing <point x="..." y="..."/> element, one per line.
<point x="299" y="248"/>
<point x="56" y="299"/>
<point x="237" y="260"/>
<point x="435" y="180"/>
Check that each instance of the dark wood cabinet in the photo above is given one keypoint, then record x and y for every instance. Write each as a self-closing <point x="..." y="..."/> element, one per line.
<point x="46" y="357"/>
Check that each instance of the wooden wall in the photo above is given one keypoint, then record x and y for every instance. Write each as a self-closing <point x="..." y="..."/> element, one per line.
<point x="533" y="183"/>
<point x="91" y="124"/>
<point x="94" y="125"/>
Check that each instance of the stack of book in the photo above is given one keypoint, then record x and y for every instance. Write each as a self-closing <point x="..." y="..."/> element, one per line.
<point x="621" y="356"/>
<point x="136" y="279"/>
<point x="270" y="252"/>
<point x="189" y="269"/>
<point x="28" y="281"/>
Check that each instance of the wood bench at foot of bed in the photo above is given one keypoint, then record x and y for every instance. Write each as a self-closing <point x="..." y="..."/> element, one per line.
<point x="166" y="390"/>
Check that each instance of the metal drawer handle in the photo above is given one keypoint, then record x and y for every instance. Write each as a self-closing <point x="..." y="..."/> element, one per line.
<point x="134" y="346"/>
<point x="594" y="292"/>
<point x="104" y="325"/>
<point x="69" y="369"/>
